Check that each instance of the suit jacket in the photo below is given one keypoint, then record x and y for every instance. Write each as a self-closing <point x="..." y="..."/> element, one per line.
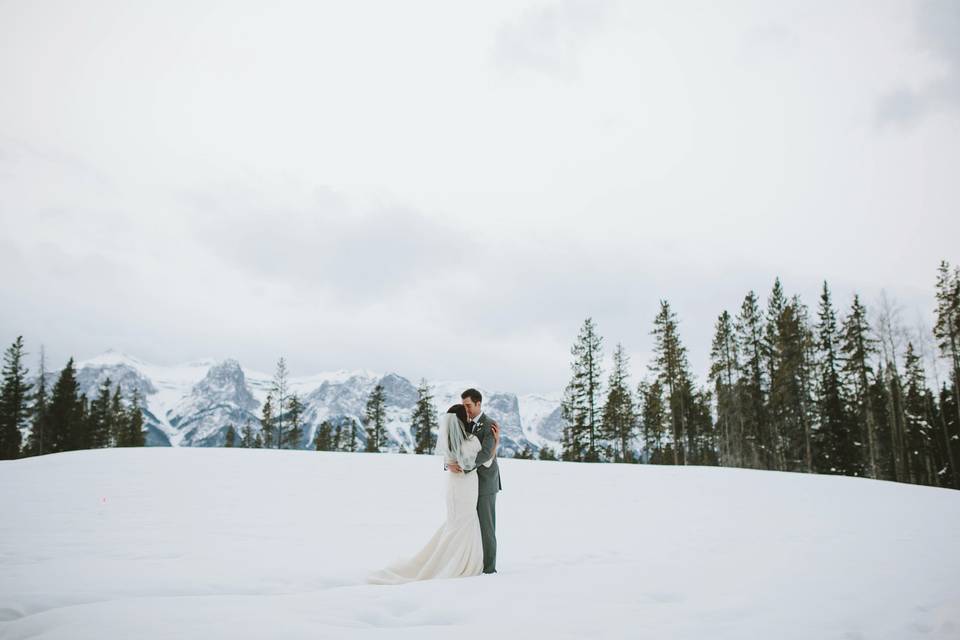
<point x="489" y="477"/>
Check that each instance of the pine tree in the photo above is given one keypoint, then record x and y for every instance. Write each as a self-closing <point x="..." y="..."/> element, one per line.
<point x="525" y="454"/>
<point x="295" y="421"/>
<point x="99" y="422"/>
<point x="752" y="392"/>
<point x="858" y="348"/>
<point x="136" y="435"/>
<point x="38" y="440"/>
<point x="247" y="440"/>
<point x="837" y="453"/>
<point x="279" y="390"/>
<point x="947" y="334"/>
<point x="338" y="436"/>
<point x="82" y="433"/>
<point x="619" y="415"/>
<point x="14" y="394"/>
<point x="230" y="437"/>
<point x="653" y="421"/>
<point x="724" y="372"/>
<point x="425" y="425"/>
<point x="353" y="436"/>
<point x="776" y="305"/>
<point x="582" y="397"/>
<point x="66" y="413"/>
<point x="702" y="427"/>
<point x="950" y="430"/>
<point x="267" y="428"/>
<point x="258" y="441"/>
<point x="546" y="453"/>
<point x="791" y="402"/>
<point x="376" y="419"/>
<point x="119" y="420"/>
<point x="672" y="369"/>
<point x="920" y="431"/>
<point x="324" y="438"/>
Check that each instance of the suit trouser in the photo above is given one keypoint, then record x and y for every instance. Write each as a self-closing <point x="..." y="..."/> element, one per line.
<point x="486" y="510"/>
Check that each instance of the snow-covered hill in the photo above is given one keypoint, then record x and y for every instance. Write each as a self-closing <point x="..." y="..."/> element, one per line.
<point x="202" y="543"/>
<point x="193" y="404"/>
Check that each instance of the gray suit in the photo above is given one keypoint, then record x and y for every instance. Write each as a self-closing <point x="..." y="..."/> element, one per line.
<point x="489" y="482"/>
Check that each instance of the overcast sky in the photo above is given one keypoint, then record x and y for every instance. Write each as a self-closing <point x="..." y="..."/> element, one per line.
<point x="448" y="189"/>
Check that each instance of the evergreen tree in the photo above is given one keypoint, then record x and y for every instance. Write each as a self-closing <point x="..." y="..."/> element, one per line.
<point x="82" y="433"/>
<point x="724" y="372"/>
<point x="14" y="394"/>
<point x="376" y="419"/>
<point x="858" y="348"/>
<point x="619" y="415"/>
<point x="653" y="421"/>
<point x="338" y="436"/>
<point x="791" y="401"/>
<point x="837" y="453"/>
<point x="38" y="441"/>
<point x="258" y="441"/>
<point x="582" y="397"/>
<point x="353" y="435"/>
<point x="425" y="425"/>
<point x="267" y="428"/>
<point x="66" y="413"/>
<point x="99" y="422"/>
<point x="247" y="440"/>
<point x="279" y="390"/>
<point x="619" y="412"/>
<point x="920" y="431"/>
<point x="546" y="453"/>
<point x="525" y="454"/>
<point x="324" y="437"/>
<point x="673" y="371"/>
<point x="946" y="331"/>
<point x="230" y="437"/>
<point x="295" y="421"/>
<point x="136" y="435"/>
<point x="776" y="412"/>
<point x="702" y="427"/>
<point x="119" y="420"/>
<point x="752" y="392"/>
<point x="950" y="428"/>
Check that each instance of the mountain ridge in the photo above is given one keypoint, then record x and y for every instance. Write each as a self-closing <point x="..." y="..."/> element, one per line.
<point x="194" y="403"/>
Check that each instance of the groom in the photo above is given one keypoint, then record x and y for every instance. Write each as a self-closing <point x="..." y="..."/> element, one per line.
<point x="488" y="477"/>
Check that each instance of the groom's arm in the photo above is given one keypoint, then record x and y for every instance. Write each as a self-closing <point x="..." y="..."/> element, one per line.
<point x="487" y="450"/>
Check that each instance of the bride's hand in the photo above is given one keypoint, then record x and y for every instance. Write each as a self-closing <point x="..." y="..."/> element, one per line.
<point x="496" y="431"/>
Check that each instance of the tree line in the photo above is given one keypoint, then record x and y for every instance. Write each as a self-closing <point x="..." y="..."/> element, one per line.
<point x="787" y="389"/>
<point x="62" y="418"/>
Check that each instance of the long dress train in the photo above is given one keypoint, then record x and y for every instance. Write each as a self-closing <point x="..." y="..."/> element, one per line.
<point x="456" y="549"/>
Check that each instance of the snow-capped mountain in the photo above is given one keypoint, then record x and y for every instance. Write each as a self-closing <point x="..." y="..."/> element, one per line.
<point x="195" y="403"/>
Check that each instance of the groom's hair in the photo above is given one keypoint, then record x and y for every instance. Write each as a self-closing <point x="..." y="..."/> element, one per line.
<point x="473" y="394"/>
<point x="460" y="411"/>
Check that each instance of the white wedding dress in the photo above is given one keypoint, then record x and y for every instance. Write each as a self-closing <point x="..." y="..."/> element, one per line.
<point x="456" y="549"/>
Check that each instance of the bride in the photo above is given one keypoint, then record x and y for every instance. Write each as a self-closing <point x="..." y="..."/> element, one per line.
<point x="455" y="550"/>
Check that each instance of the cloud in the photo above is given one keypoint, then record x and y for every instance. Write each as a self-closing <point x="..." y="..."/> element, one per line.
<point x="316" y="239"/>
<point x="548" y="39"/>
<point x="938" y="33"/>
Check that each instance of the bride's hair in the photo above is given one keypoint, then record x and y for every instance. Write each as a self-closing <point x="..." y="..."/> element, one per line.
<point x="460" y="411"/>
<point x="461" y="414"/>
<point x="453" y="424"/>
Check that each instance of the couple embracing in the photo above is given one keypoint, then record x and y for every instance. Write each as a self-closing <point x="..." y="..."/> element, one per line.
<point x="466" y="543"/>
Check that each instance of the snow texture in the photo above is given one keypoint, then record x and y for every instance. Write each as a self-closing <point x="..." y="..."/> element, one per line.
<point x="162" y="542"/>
